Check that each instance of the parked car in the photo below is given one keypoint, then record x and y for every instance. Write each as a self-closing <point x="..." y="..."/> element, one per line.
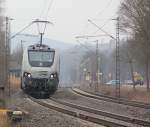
<point x="137" y="82"/>
<point x="112" y="82"/>
<point x="128" y="82"/>
<point x="140" y="82"/>
<point x="138" y="78"/>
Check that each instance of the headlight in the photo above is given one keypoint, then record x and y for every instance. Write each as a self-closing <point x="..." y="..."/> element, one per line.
<point x="26" y="74"/>
<point x="29" y="75"/>
<point x="51" y="76"/>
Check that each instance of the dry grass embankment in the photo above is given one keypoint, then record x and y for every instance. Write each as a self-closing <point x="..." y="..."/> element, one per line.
<point x="14" y="84"/>
<point x="126" y="91"/>
<point x="4" y="121"/>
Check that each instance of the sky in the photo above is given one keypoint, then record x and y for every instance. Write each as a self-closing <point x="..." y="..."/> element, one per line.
<point x="69" y="17"/>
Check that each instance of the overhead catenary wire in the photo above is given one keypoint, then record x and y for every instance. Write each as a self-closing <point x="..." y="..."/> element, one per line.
<point x="103" y="10"/>
<point x="105" y="23"/>
<point x="41" y="33"/>
<point x="45" y="10"/>
<point x="21" y="30"/>
<point x="42" y="10"/>
<point x="38" y="27"/>
<point x="49" y="7"/>
<point x="107" y="5"/>
<point x="85" y="46"/>
<point x="44" y="21"/>
<point x="99" y="13"/>
<point x="101" y="29"/>
<point x="37" y="21"/>
<point x="48" y="10"/>
<point x="88" y="36"/>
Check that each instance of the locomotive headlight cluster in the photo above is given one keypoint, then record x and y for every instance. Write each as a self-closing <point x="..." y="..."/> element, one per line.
<point x="26" y="74"/>
<point x="52" y="76"/>
<point x="29" y="75"/>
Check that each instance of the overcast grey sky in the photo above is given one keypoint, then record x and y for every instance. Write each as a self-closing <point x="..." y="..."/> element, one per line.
<point x="69" y="16"/>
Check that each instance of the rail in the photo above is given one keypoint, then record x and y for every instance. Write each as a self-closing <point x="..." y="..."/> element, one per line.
<point x="84" y="115"/>
<point x="106" y="114"/>
<point x="110" y="99"/>
<point x="89" y="114"/>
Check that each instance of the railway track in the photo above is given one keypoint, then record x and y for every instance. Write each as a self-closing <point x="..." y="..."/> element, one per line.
<point x="110" y="99"/>
<point x="91" y="115"/>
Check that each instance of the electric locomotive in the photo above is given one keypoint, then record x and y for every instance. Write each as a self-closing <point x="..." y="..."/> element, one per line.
<point x="40" y="70"/>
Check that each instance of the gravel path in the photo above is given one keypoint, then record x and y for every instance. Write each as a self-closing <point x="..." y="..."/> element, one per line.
<point x="40" y="116"/>
<point x="67" y="95"/>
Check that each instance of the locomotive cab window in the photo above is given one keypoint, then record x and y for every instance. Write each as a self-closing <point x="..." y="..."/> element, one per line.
<point x="41" y="58"/>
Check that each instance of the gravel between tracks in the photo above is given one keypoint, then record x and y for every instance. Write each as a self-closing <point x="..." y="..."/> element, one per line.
<point x="103" y="105"/>
<point x="40" y="116"/>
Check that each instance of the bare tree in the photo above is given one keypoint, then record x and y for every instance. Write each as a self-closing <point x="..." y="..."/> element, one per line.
<point x="17" y="55"/>
<point x="135" y="19"/>
<point x="127" y="56"/>
<point x="89" y="62"/>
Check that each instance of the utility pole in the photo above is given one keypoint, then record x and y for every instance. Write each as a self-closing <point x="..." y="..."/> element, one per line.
<point x="7" y="54"/>
<point x="22" y="48"/>
<point x="117" y="60"/>
<point x="3" y="63"/>
<point x="6" y="49"/>
<point x="117" y="39"/>
<point x="6" y="73"/>
<point x="21" y="45"/>
<point x="95" y="75"/>
<point x="22" y="41"/>
<point x="97" y="69"/>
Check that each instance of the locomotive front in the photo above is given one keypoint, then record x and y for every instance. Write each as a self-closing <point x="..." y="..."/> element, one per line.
<point x="40" y="70"/>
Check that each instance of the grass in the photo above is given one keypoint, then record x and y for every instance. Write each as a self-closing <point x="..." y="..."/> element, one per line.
<point x="2" y="103"/>
<point x="4" y="121"/>
<point x="139" y="94"/>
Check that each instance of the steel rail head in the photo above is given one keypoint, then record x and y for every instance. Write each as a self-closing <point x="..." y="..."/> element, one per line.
<point x="80" y="114"/>
<point x="111" y="99"/>
<point x="104" y="113"/>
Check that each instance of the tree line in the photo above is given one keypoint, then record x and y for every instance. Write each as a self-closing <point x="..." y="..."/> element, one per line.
<point x="134" y="18"/>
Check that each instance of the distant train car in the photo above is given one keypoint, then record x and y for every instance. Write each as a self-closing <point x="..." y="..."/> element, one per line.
<point x="40" y="70"/>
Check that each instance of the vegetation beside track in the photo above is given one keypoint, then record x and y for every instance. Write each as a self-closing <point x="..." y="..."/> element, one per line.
<point x="139" y="94"/>
<point x="4" y="121"/>
<point x="2" y="103"/>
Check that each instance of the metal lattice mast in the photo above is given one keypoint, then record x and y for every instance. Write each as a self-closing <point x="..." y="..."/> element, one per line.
<point x="7" y="55"/>
<point x="97" y="80"/>
<point x="6" y="46"/>
<point x="117" y="61"/>
<point x="117" y="53"/>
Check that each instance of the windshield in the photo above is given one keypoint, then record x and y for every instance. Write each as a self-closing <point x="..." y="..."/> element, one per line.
<point x="41" y="58"/>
